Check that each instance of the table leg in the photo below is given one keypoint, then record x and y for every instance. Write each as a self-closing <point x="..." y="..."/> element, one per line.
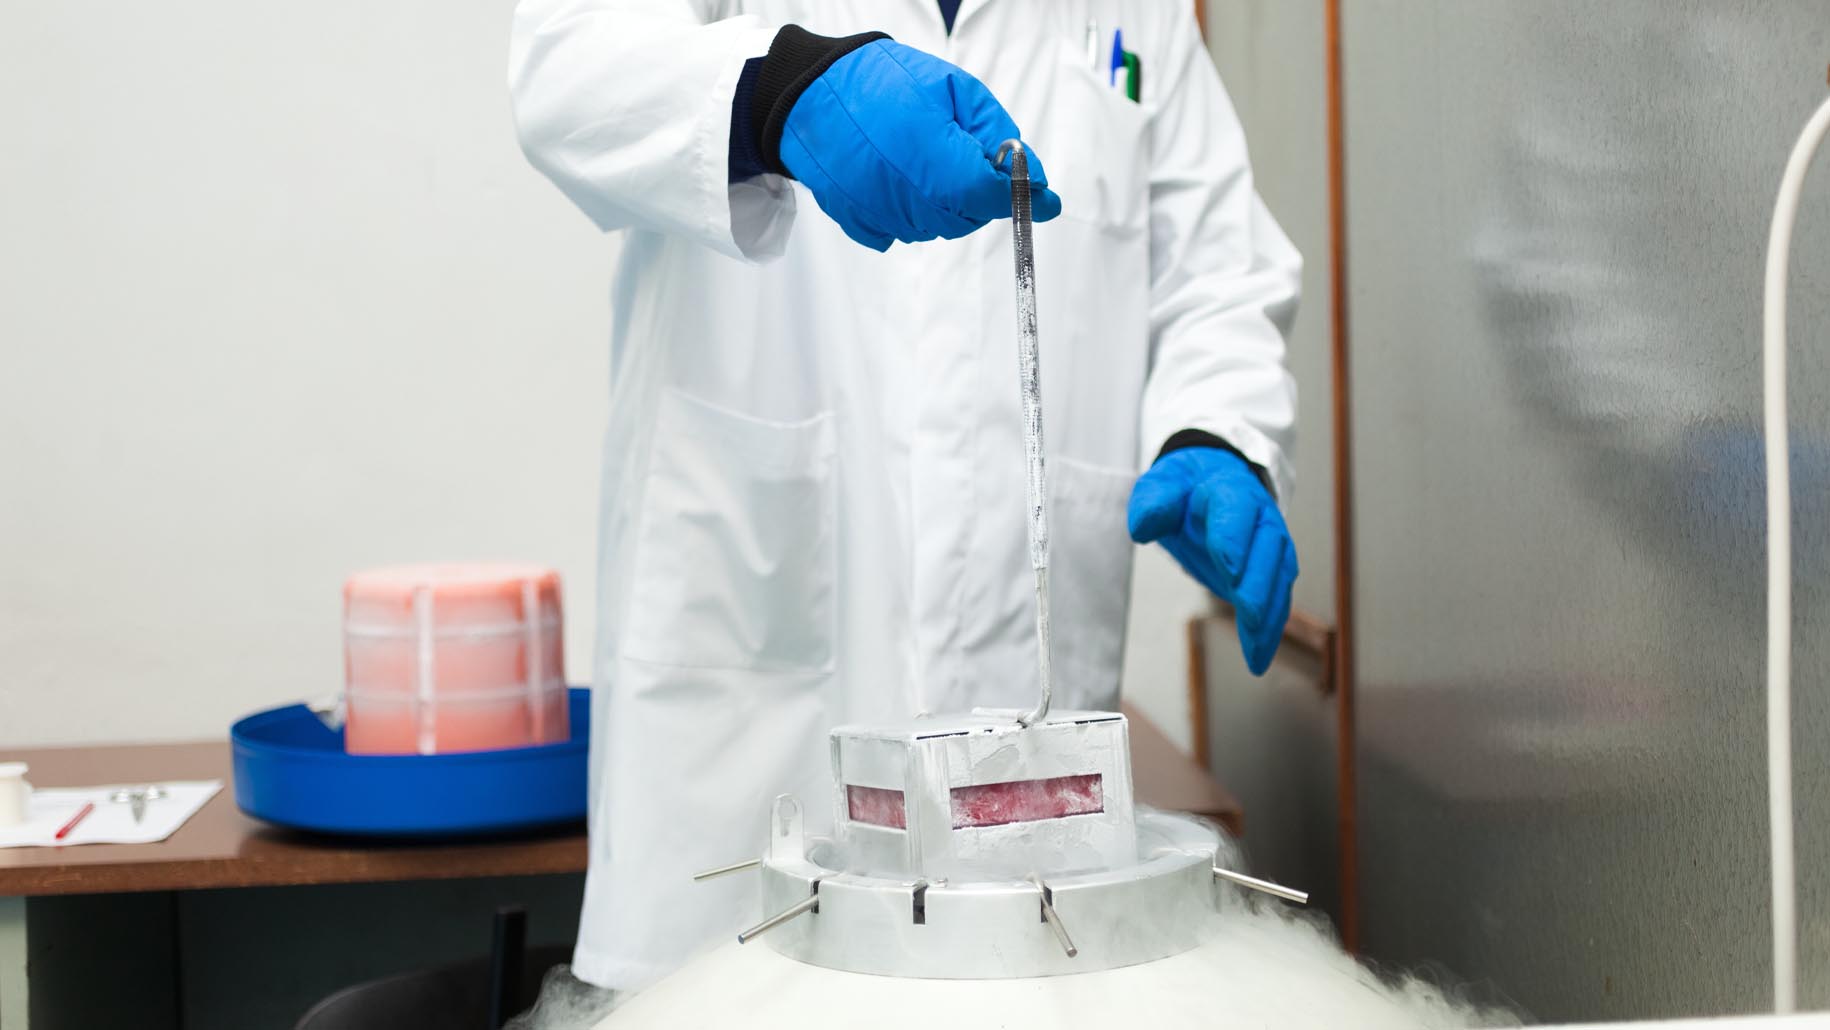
<point x="13" y="1000"/>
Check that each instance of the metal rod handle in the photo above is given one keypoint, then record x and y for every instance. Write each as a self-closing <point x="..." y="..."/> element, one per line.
<point x="735" y="867"/>
<point x="807" y="904"/>
<point x="1053" y="920"/>
<point x="1277" y="890"/>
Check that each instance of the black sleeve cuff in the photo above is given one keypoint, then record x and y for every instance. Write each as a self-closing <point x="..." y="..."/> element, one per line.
<point x="795" y="59"/>
<point x="746" y="158"/>
<point x="1183" y="438"/>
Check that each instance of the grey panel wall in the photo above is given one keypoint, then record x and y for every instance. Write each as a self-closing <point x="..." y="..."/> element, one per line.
<point x="1269" y="53"/>
<point x="1557" y="221"/>
<point x="1274" y="739"/>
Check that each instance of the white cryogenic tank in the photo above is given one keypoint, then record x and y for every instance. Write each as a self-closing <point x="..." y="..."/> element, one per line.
<point x="983" y="873"/>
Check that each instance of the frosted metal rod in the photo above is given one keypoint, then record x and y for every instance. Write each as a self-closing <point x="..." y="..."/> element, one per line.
<point x="810" y="903"/>
<point x="1053" y="919"/>
<point x="1779" y="570"/>
<point x="1030" y="379"/>
<point x="1276" y="890"/>
<point x="724" y="870"/>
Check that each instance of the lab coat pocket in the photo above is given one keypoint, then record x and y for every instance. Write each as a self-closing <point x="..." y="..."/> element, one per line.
<point x="734" y="559"/>
<point x="1089" y="579"/>
<point x="1094" y="145"/>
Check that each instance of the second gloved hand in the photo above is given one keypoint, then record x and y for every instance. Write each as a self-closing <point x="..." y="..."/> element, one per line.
<point x="1210" y="511"/>
<point x="893" y="143"/>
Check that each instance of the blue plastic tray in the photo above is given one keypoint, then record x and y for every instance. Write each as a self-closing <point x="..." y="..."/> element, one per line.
<point x="291" y="769"/>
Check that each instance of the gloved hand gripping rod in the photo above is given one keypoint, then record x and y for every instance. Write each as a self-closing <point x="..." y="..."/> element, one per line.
<point x="1030" y="379"/>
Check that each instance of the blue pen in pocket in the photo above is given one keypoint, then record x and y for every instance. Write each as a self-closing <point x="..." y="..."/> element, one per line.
<point x="1127" y="71"/>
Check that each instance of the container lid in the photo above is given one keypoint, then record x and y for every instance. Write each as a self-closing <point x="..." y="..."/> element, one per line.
<point x="9" y="770"/>
<point x="449" y="580"/>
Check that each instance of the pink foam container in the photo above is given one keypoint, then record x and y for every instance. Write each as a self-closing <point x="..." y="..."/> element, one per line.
<point x="453" y="657"/>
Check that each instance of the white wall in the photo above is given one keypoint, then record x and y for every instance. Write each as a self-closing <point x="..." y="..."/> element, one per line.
<point x="279" y="299"/>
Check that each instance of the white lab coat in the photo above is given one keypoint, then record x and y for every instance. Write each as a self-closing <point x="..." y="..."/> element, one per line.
<point x="813" y="489"/>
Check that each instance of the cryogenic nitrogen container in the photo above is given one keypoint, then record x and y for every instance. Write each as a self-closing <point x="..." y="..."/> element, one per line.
<point x="452" y="657"/>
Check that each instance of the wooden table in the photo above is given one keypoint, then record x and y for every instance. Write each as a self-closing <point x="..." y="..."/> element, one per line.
<point x="220" y="847"/>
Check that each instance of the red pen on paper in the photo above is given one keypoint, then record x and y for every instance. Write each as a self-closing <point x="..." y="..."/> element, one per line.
<point x="81" y="814"/>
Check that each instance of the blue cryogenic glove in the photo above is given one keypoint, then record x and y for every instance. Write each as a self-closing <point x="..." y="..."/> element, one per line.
<point x="893" y="143"/>
<point x="1208" y="507"/>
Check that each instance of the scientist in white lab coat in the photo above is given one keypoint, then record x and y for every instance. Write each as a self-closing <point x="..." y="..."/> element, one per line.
<point x="813" y="488"/>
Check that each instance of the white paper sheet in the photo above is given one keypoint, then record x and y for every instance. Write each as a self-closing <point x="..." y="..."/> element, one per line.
<point x="112" y="821"/>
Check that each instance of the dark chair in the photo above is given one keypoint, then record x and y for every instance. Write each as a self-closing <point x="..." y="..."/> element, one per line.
<point x="478" y="994"/>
